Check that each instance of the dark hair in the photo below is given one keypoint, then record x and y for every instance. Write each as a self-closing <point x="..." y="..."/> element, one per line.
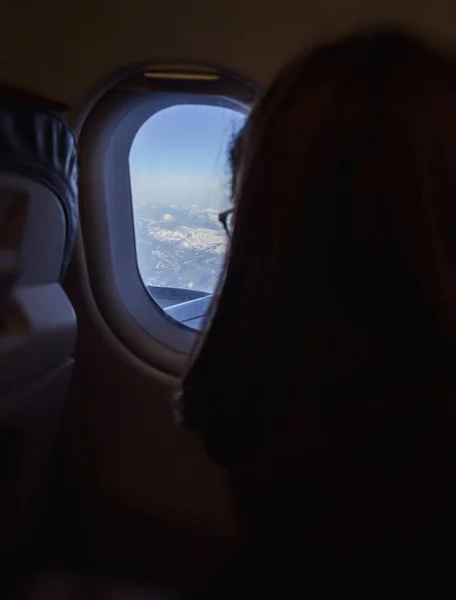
<point x="235" y="157"/>
<point x="342" y="258"/>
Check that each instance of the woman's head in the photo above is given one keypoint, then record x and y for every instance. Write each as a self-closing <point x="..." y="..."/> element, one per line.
<point x="343" y="250"/>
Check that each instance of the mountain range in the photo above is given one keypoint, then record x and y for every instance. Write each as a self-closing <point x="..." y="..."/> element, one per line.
<point x="179" y="246"/>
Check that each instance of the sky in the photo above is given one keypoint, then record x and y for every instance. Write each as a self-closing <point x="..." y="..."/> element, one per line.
<point x="180" y="156"/>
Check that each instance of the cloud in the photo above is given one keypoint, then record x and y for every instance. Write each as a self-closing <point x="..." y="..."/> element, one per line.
<point x="180" y="189"/>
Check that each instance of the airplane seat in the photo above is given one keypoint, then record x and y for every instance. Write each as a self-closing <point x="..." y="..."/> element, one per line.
<point x="38" y="221"/>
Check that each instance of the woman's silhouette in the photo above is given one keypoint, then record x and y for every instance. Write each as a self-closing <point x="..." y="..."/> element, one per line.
<point x="325" y="382"/>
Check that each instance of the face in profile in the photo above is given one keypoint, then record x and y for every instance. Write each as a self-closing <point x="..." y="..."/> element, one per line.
<point x="340" y="233"/>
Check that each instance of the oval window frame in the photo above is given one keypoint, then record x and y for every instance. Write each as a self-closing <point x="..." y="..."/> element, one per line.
<point x="105" y="128"/>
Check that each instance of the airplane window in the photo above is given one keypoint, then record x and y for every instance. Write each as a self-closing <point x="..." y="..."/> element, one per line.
<point x="154" y="175"/>
<point x="180" y="182"/>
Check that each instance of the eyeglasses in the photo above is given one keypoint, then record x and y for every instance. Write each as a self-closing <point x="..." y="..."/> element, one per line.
<point x="226" y="219"/>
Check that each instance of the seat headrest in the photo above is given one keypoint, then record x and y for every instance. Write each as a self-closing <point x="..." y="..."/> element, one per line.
<point x="17" y="95"/>
<point x="36" y="143"/>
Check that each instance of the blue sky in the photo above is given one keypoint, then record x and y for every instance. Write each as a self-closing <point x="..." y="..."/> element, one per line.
<point x="179" y="156"/>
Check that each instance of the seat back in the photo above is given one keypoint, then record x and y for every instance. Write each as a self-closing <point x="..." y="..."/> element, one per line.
<point x="38" y="220"/>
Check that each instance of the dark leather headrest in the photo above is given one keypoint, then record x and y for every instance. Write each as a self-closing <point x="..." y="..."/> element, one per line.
<point x="18" y="95"/>
<point x="36" y="143"/>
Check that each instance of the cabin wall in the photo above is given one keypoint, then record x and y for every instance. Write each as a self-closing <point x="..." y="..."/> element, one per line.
<point x="143" y="488"/>
<point x="64" y="48"/>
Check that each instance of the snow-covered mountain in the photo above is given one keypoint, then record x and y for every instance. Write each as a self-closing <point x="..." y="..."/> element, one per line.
<point x="177" y="246"/>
